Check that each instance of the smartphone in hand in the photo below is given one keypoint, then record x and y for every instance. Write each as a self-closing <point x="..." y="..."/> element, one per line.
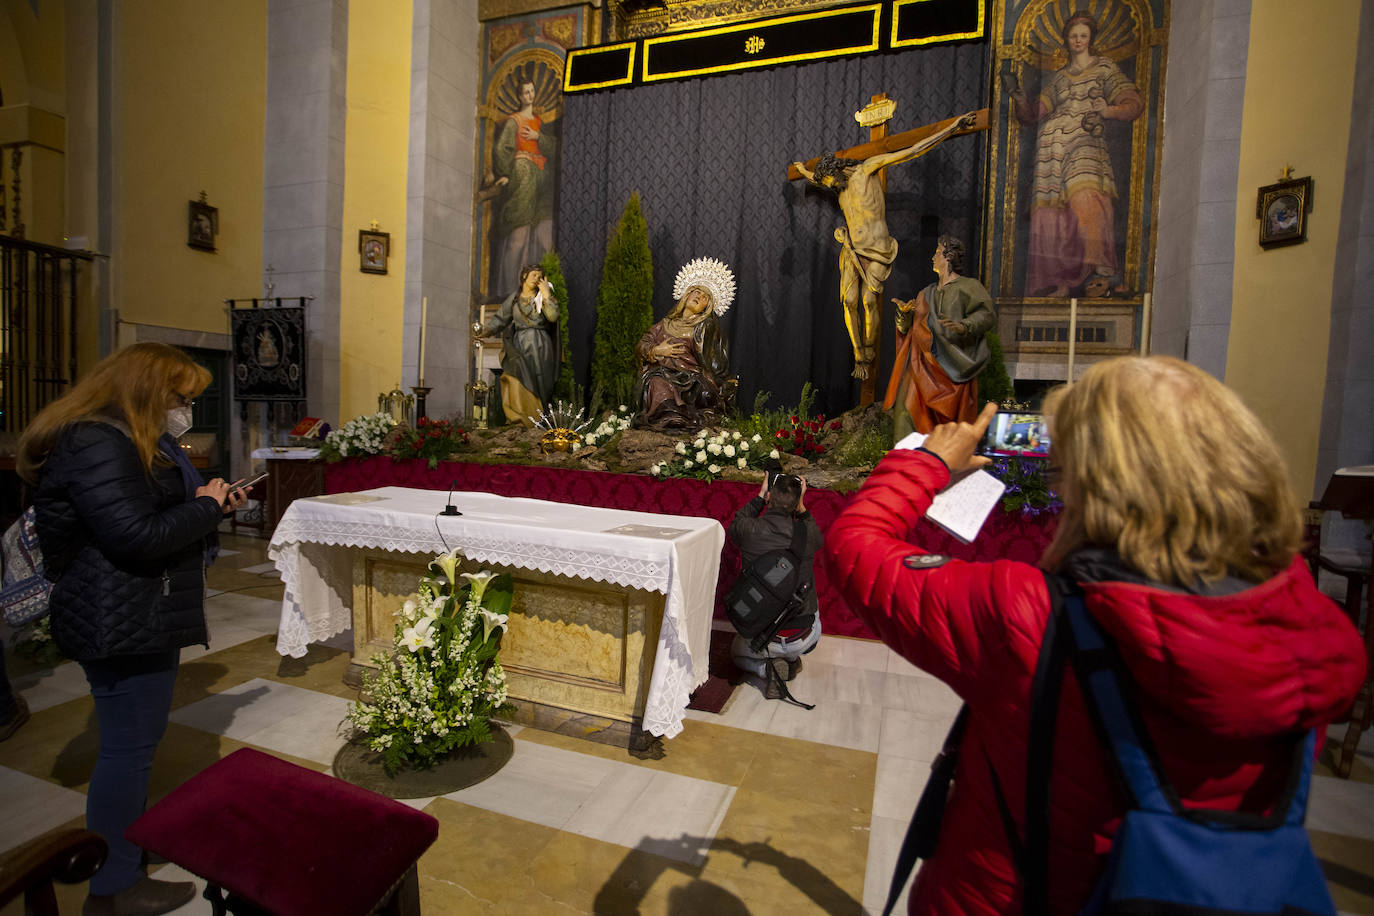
<point x="247" y="483"/>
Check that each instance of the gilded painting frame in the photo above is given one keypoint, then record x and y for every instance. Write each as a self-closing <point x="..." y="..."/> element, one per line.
<point x="374" y="250"/>
<point x="1059" y="227"/>
<point x="1282" y="210"/>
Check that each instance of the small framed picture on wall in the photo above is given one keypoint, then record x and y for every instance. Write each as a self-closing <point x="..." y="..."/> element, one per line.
<point x="202" y="225"/>
<point x="373" y="250"/>
<point x="1282" y="211"/>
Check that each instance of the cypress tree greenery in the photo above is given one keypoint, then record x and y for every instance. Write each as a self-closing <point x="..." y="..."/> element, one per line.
<point x="624" y="305"/>
<point x="553" y="272"/>
<point x="993" y="382"/>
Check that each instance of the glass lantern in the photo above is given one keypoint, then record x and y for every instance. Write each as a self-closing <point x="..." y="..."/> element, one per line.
<point x="478" y="393"/>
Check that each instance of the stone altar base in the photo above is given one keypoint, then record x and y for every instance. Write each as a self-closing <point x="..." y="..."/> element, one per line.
<point x="578" y="655"/>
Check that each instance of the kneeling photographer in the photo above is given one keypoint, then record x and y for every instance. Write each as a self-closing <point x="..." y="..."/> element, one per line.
<point x="776" y="521"/>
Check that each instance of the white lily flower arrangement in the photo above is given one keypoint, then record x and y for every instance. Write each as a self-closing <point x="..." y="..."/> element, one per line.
<point x="438" y="691"/>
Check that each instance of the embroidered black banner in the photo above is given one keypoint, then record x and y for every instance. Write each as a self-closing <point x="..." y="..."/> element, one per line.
<point x="269" y="353"/>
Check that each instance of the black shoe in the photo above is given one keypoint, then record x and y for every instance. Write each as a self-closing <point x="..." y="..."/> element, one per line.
<point x="148" y="897"/>
<point x="18" y="717"/>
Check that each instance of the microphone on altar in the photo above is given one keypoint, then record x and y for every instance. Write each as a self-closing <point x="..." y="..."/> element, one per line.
<point x="450" y="508"/>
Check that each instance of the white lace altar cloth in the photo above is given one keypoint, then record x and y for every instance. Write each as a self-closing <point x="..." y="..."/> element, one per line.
<point x="676" y="555"/>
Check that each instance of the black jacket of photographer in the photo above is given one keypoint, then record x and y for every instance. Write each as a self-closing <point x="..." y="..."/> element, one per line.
<point x="124" y="548"/>
<point x="756" y="530"/>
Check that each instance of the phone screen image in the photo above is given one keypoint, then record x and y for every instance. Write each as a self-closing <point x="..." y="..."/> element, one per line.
<point x="1017" y="435"/>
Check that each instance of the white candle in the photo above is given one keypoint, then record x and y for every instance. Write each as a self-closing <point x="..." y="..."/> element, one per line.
<point x="1073" y="333"/>
<point x="424" y="319"/>
<point x="1145" y="326"/>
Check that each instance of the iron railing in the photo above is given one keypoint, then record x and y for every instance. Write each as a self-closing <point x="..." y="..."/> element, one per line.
<point x="39" y="287"/>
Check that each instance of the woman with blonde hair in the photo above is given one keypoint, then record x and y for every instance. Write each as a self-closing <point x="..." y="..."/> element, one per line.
<point x="126" y="526"/>
<point x="1181" y="530"/>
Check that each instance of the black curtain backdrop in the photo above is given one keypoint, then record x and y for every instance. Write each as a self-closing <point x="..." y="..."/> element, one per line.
<point x="709" y="158"/>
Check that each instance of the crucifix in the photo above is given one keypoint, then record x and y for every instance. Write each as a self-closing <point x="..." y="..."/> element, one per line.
<point x="867" y="249"/>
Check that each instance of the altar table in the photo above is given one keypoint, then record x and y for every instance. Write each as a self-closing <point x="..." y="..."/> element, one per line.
<point x="327" y="546"/>
<point x="1005" y="536"/>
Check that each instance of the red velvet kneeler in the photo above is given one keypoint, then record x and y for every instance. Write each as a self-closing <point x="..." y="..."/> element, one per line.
<point x="290" y="840"/>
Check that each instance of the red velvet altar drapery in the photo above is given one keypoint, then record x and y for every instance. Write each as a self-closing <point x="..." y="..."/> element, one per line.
<point x="1004" y="536"/>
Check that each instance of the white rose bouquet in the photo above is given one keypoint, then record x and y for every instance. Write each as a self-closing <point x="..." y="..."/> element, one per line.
<point x="360" y="436"/>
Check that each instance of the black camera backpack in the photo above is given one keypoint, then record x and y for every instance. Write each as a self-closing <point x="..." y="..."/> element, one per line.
<point x="769" y="591"/>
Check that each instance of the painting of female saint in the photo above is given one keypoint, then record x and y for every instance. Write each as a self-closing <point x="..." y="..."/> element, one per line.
<point x="521" y="177"/>
<point x="1081" y="102"/>
<point x="1072" y="222"/>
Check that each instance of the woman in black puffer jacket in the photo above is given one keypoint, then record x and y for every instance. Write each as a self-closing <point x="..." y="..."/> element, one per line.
<point x="126" y="525"/>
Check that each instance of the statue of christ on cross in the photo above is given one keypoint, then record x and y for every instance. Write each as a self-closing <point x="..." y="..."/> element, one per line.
<point x="867" y="249"/>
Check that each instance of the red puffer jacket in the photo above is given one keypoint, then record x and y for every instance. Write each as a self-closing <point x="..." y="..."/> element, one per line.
<point x="1219" y="678"/>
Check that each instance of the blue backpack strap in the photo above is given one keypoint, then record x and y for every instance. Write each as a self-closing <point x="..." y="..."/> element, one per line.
<point x="1096" y="665"/>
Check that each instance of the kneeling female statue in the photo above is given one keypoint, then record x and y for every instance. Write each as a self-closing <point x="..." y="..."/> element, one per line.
<point x="684" y="381"/>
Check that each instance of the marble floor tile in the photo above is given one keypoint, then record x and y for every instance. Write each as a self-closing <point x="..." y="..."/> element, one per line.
<point x="747" y="709"/>
<point x="912" y="735"/>
<point x="884" y="843"/>
<point x="541" y="784"/>
<point x="280" y="717"/>
<point x="898" y="786"/>
<point x="851" y="725"/>
<point x="820" y="682"/>
<point x="635" y="807"/>
<point x="255" y="611"/>
<point x="1348" y="863"/>
<point x="49" y="687"/>
<point x="925" y="696"/>
<point x="853" y="653"/>
<point x="225" y="552"/>
<point x="261" y="568"/>
<point x="1341" y="806"/>
<point x="222" y="636"/>
<point x="898" y="665"/>
<point x="30" y="807"/>
<point x="793" y="770"/>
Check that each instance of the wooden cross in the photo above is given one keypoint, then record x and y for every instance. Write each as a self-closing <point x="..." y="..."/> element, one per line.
<point x="895" y="142"/>
<point x="879" y="141"/>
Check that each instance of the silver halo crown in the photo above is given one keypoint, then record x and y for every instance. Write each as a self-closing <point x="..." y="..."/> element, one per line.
<point x="712" y="276"/>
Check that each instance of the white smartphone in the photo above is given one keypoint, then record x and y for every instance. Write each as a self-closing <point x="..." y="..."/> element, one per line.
<point x="248" y="482"/>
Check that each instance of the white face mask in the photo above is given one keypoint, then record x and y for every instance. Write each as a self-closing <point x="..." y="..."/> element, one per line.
<point x="178" y="421"/>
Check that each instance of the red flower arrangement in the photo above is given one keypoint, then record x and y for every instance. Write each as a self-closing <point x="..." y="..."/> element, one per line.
<point x="799" y="437"/>
<point x="431" y="440"/>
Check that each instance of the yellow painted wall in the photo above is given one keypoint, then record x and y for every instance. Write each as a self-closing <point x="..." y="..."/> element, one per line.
<point x="40" y="41"/>
<point x="33" y="81"/>
<point x="376" y="144"/>
<point x="1298" y="91"/>
<point x="189" y="108"/>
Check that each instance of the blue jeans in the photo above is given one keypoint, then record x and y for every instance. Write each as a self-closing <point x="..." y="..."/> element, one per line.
<point x="133" y="698"/>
